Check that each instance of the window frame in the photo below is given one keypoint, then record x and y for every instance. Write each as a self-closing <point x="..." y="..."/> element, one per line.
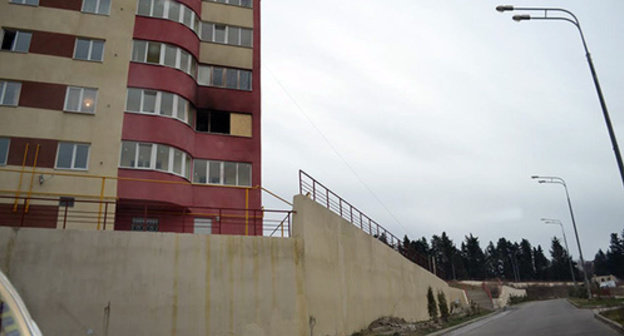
<point x="23" y="2"/>
<point x="90" y="51"/>
<point x="222" y="173"/>
<point x="182" y="16"/>
<point x="97" y="7"/>
<point x="231" y="3"/>
<point x="3" y="88"/>
<point x="175" y="112"/>
<point x="73" y="160"/>
<point x="18" y="33"/>
<point x="153" y="159"/>
<point x="80" y="99"/>
<point x="190" y="68"/>
<point x="4" y="160"/>
<point x="227" y="36"/>
<point x="224" y="77"/>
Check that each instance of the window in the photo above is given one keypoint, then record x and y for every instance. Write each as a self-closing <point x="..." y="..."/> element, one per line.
<point x="16" y="40"/>
<point x="164" y="54"/>
<point x="241" y="3"/>
<point x="158" y="102"/>
<point x="25" y="2"/>
<point x="224" y="77"/>
<point x="4" y="150"/>
<point x="213" y="122"/>
<point x="155" y="156"/>
<point x="78" y="99"/>
<point x="222" y="172"/>
<point x="72" y="156"/>
<point x="101" y="7"/>
<point x="219" y="33"/>
<point x="202" y="226"/>
<point x="144" y="224"/>
<point x="89" y="50"/>
<point x="9" y="92"/>
<point x="170" y="10"/>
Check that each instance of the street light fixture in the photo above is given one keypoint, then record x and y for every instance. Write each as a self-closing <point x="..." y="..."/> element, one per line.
<point x="559" y="180"/>
<point x="565" y="240"/>
<point x="568" y="16"/>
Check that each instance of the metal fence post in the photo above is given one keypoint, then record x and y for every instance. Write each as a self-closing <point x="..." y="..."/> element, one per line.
<point x="105" y="213"/>
<point x="65" y="216"/>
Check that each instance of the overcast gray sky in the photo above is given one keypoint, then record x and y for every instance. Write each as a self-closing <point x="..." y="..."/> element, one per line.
<point x="445" y="108"/>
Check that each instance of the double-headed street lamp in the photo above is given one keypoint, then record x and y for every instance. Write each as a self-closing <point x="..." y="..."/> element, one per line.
<point x="558" y="222"/>
<point x="566" y="15"/>
<point x="559" y="180"/>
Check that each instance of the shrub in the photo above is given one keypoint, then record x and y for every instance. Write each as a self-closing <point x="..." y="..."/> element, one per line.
<point x="444" y="310"/>
<point x="431" y="305"/>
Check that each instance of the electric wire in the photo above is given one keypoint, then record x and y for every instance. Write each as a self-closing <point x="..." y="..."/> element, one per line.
<point x="346" y="163"/>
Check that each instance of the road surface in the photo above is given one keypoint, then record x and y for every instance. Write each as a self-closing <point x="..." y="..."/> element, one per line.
<point x="548" y="318"/>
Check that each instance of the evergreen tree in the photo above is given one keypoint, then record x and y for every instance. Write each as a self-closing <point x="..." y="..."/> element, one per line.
<point x="421" y="246"/>
<point x="432" y="307"/>
<point x="615" y="256"/>
<point x="601" y="264"/>
<point x="443" y="306"/>
<point x="525" y="261"/>
<point x="541" y="264"/>
<point x="444" y="251"/>
<point x="560" y="265"/>
<point x="491" y="262"/>
<point x="505" y="253"/>
<point x="474" y="258"/>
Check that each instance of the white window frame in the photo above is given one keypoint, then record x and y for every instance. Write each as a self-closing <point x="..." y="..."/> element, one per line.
<point x="228" y="28"/>
<point x="80" y="97"/>
<point x="224" y="79"/>
<point x="3" y="88"/>
<point x="5" y="159"/>
<point x="188" y="68"/>
<point x="222" y="173"/>
<point x="180" y="19"/>
<point x="97" y="7"/>
<point x="90" y="51"/>
<point x="153" y="155"/>
<point x="23" y="2"/>
<point x="18" y="33"/>
<point x="175" y="112"/>
<point x="233" y="3"/>
<point x="73" y="161"/>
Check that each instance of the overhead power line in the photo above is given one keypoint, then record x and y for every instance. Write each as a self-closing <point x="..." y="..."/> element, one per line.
<point x="302" y="111"/>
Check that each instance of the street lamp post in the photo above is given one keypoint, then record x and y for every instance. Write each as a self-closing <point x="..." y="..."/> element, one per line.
<point x="558" y="222"/>
<point x="571" y="18"/>
<point x="559" y="180"/>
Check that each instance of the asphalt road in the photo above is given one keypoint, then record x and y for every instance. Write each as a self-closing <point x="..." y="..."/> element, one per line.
<point x="548" y="318"/>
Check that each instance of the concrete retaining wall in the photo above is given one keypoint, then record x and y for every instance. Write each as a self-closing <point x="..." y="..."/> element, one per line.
<point x="329" y="279"/>
<point x="352" y="279"/>
<point x="505" y="294"/>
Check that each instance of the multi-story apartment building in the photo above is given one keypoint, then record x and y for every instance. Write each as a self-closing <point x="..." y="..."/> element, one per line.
<point x="150" y="105"/>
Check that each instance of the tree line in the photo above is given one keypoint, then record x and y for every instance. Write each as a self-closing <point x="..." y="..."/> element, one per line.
<point x="506" y="259"/>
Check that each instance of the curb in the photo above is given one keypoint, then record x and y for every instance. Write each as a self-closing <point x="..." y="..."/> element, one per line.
<point x="618" y="327"/>
<point x="463" y="324"/>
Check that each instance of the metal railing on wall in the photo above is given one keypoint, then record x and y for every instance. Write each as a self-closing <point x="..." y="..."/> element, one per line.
<point x="324" y="196"/>
<point x="68" y="212"/>
<point x="101" y="204"/>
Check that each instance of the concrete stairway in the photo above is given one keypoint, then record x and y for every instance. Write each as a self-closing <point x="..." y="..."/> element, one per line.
<point x="479" y="296"/>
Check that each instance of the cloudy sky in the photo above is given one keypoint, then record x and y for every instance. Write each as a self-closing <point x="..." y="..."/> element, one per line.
<point x="444" y="109"/>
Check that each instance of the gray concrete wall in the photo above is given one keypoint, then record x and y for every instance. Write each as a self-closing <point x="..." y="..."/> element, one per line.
<point x="352" y="279"/>
<point x="125" y="283"/>
<point x="329" y="279"/>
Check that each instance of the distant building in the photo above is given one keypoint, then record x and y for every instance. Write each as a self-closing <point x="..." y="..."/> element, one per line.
<point x="153" y="104"/>
<point x="605" y="281"/>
